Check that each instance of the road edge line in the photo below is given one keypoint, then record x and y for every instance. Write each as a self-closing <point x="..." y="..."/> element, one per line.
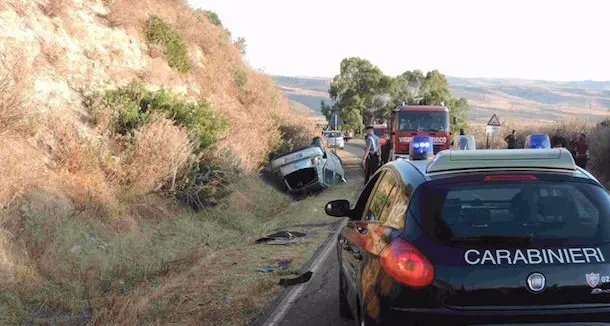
<point x="291" y="298"/>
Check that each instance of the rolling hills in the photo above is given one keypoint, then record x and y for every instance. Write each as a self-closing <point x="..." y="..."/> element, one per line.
<point x="510" y="98"/>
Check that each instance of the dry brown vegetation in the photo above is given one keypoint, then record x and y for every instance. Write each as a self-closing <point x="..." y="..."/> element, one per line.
<point x="598" y="138"/>
<point x="88" y="224"/>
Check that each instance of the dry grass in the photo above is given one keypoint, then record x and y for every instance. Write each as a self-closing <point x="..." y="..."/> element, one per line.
<point x="15" y="108"/>
<point x="567" y="128"/>
<point x="21" y="166"/>
<point x="255" y="109"/>
<point x="54" y="8"/>
<point x="599" y="148"/>
<point x="79" y="226"/>
<point x="598" y="138"/>
<point x="198" y="294"/>
<point x="160" y="150"/>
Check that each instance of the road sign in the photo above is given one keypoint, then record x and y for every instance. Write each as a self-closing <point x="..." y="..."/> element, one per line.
<point x="494" y="121"/>
<point x="335" y="120"/>
<point x="493" y="130"/>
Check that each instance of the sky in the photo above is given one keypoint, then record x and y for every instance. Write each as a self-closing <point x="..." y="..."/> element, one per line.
<point x="535" y="39"/>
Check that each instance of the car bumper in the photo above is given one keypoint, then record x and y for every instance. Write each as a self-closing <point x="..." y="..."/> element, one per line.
<point x="442" y="316"/>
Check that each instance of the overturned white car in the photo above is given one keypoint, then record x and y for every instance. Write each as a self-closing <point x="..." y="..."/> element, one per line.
<point x="309" y="169"/>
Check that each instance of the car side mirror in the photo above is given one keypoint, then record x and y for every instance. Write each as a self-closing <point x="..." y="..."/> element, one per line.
<point x="337" y="208"/>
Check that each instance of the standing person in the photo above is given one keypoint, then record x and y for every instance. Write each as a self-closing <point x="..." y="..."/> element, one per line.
<point x="371" y="154"/>
<point x="557" y="139"/>
<point x="387" y="150"/>
<point x="511" y="140"/>
<point x="581" y="148"/>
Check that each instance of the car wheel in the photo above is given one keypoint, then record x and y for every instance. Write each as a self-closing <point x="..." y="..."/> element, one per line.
<point x="344" y="309"/>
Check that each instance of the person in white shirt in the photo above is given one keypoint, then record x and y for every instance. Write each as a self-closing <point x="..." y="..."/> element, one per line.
<point x="372" y="153"/>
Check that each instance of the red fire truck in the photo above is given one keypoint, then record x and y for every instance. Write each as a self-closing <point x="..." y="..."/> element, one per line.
<point x="408" y="121"/>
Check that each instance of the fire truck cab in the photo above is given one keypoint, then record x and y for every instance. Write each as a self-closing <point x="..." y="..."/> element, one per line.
<point x="408" y="121"/>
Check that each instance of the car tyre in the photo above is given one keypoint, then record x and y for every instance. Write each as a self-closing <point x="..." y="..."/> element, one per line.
<point x="344" y="309"/>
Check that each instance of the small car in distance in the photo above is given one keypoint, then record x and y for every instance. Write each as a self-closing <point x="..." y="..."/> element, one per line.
<point x="335" y="139"/>
<point x="476" y="237"/>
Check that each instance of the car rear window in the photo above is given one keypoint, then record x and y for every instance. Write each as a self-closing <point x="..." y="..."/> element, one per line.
<point x="546" y="211"/>
<point x="333" y="134"/>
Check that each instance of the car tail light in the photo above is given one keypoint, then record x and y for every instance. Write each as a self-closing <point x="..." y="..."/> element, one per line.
<point x="406" y="264"/>
<point x="315" y="160"/>
<point x="510" y="178"/>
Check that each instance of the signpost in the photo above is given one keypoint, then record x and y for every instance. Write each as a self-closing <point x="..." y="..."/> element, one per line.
<point x="494" y="128"/>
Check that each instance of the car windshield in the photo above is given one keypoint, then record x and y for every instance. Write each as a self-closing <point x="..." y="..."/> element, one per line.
<point x="423" y="121"/>
<point x="543" y="211"/>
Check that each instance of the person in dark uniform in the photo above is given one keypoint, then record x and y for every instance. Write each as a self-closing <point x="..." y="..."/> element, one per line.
<point x="511" y="140"/>
<point x="371" y="157"/>
<point x="581" y="148"/>
<point x="387" y="150"/>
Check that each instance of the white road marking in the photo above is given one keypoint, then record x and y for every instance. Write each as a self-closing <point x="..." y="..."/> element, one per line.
<point x="282" y="308"/>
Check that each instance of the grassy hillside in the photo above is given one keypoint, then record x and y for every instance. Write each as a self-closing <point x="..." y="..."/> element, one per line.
<point x="113" y="113"/>
<point x="509" y="98"/>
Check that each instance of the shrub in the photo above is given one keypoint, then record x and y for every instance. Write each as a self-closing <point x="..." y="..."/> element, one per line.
<point x="293" y="136"/>
<point x="240" y="77"/>
<point x="159" y="151"/>
<point x="14" y="105"/>
<point x="207" y="180"/>
<point x="129" y="108"/>
<point x="158" y="32"/>
<point x="213" y="17"/>
<point x="198" y="117"/>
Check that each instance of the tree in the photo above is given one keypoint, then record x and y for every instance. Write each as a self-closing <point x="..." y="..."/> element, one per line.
<point x="353" y="90"/>
<point x="240" y="44"/>
<point x="326" y="110"/>
<point x="362" y="93"/>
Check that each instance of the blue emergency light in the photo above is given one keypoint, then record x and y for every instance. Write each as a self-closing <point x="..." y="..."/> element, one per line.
<point x="421" y="148"/>
<point x="537" y="141"/>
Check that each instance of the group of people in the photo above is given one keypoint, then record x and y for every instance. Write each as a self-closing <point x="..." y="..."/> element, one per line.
<point x="376" y="155"/>
<point x="579" y="146"/>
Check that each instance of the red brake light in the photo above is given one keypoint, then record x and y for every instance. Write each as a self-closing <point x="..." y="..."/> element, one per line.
<point x="510" y="178"/>
<point x="406" y="264"/>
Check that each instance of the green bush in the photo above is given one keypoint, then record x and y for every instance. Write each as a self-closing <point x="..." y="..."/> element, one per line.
<point x="208" y="180"/>
<point x="213" y="17"/>
<point x="158" y="32"/>
<point x="131" y="105"/>
<point x="240" y="77"/>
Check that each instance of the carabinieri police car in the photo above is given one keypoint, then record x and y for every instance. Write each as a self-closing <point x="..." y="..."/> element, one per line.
<point x="476" y="237"/>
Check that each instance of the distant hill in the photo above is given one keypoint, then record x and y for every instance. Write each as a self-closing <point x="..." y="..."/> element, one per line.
<point x="307" y="91"/>
<point x="510" y="98"/>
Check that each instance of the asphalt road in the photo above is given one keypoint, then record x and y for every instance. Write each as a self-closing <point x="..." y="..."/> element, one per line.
<point x="319" y="303"/>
